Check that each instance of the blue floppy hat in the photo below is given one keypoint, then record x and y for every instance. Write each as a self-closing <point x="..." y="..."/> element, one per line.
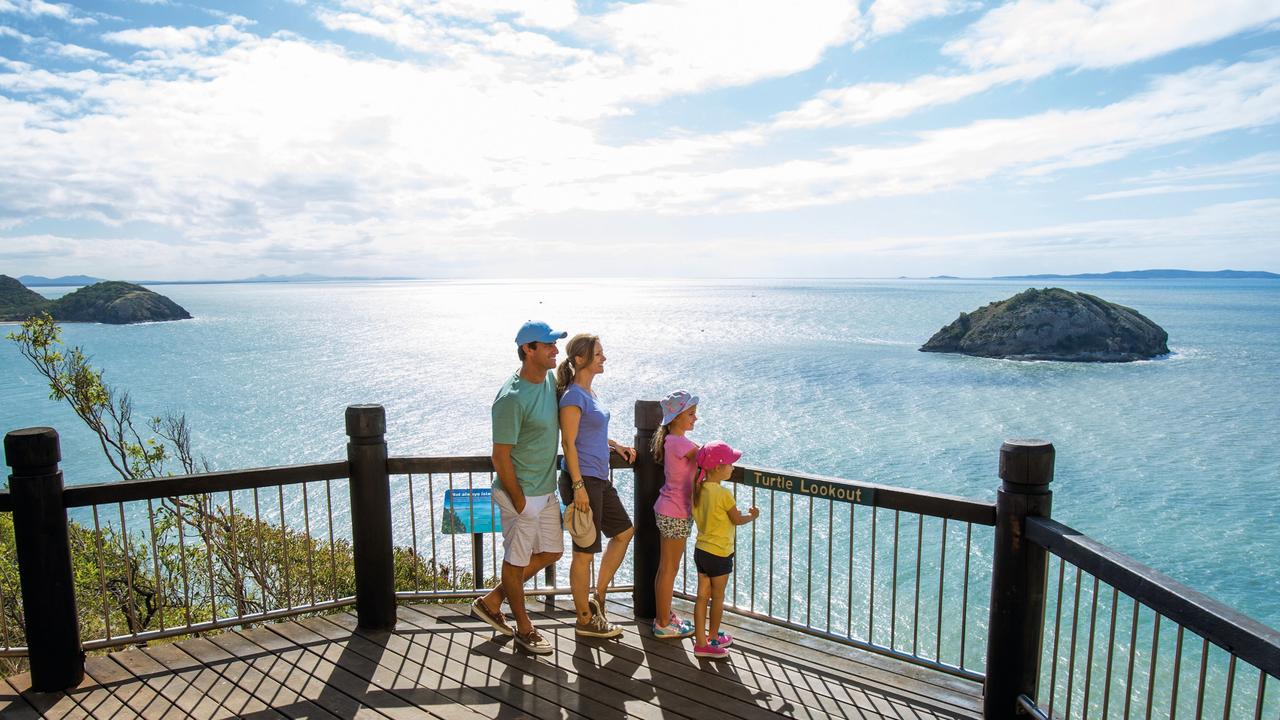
<point x="676" y="403"/>
<point x="535" y="331"/>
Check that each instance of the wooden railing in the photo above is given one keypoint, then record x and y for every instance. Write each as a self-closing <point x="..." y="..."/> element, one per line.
<point x="936" y="581"/>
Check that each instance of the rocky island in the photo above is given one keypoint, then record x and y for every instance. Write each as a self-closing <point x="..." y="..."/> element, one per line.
<point x="1052" y="324"/>
<point x="113" y="302"/>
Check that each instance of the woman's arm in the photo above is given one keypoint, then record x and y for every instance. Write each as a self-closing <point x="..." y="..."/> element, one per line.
<point x="570" y="417"/>
<point x="627" y="453"/>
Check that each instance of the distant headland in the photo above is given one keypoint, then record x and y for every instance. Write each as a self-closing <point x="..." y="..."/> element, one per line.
<point x="113" y="303"/>
<point x="78" y="280"/>
<point x="1168" y="274"/>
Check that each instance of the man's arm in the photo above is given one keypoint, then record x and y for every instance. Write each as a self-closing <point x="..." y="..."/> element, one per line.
<point x="506" y="469"/>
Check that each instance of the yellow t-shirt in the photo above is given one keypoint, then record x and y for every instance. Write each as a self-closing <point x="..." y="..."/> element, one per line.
<point x="711" y="514"/>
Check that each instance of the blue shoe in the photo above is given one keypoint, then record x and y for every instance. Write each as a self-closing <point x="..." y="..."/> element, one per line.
<point x="721" y="640"/>
<point x="675" y="629"/>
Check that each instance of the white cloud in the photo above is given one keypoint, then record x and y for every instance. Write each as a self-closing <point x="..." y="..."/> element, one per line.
<point x="175" y="39"/>
<point x="1166" y="190"/>
<point x="1042" y="35"/>
<point x="891" y="16"/>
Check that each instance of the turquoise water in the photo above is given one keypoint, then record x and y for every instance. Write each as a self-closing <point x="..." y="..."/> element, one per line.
<point x="1172" y="461"/>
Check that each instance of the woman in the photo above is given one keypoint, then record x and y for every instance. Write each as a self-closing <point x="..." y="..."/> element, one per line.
<point x="584" y="433"/>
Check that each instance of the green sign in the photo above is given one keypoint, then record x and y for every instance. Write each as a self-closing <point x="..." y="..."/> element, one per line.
<point x="813" y="487"/>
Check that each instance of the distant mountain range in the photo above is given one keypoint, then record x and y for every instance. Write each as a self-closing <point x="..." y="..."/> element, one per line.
<point x="77" y="280"/>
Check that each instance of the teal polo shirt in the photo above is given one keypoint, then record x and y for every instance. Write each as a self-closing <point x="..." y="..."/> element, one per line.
<point x="526" y="416"/>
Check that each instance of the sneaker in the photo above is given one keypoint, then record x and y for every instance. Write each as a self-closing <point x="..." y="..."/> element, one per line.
<point x="710" y="651"/>
<point x="596" y="603"/>
<point x="597" y="626"/>
<point x="722" y="640"/>
<point x="533" y="642"/>
<point x="675" y="629"/>
<point x="496" y="619"/>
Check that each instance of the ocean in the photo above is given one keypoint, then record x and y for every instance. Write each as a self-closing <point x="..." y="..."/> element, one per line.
<point x="1171" y="461"/>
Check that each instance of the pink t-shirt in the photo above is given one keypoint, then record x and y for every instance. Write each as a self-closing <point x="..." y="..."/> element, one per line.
<point x="674" y="500"/>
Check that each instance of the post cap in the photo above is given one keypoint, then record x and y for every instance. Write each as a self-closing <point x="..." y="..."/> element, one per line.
<point x="648" y="415"/>
<point x="32" y="447"/>
<point x="366" y="421"/>
<point x="1026" y="462"/>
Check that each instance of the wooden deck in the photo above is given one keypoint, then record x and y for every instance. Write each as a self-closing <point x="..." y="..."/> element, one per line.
<point x="442" y="663"/>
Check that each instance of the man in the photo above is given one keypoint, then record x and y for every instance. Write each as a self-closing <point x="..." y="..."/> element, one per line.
<point x="526" y="433"/>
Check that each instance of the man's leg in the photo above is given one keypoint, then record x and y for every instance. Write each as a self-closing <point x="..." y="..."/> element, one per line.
<point x="513" y="588"/>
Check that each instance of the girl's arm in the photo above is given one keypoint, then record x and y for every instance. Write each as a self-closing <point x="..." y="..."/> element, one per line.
<point x="570" y="416"/>
<point x="737" y="518"/>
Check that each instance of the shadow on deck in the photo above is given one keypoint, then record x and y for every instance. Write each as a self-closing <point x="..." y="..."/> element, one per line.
<point x="440" y="662"/>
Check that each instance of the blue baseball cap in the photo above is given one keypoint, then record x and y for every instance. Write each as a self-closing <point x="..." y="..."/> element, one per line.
<point x="534" y="331"/>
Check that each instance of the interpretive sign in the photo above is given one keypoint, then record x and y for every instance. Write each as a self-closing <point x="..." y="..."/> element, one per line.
<point x="813" y="487"/>
<point x="469" y="511"/>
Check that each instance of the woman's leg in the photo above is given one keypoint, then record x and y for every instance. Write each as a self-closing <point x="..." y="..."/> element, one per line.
<point x="579" y="582"/>
<point x="612" y="559"/>
<point x="669" y="561"/>
<point x="700" y="610"/>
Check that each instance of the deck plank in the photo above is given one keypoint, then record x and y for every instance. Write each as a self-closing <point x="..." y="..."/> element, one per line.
<point x="442" y="663"/>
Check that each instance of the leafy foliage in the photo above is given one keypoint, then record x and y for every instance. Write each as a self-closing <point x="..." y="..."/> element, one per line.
<point x="179" y="560"/>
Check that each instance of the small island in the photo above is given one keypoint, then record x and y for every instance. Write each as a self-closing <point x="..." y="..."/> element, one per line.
<point x="1052" y="324"/>
<point x="112" y="302"/>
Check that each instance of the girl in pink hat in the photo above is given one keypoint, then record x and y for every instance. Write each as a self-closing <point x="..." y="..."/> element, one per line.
<point x="716" y="515"/>
<point x="674" y="508"/>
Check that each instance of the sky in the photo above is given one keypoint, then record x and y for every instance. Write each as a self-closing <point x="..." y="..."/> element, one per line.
<point x="710" y="138"/>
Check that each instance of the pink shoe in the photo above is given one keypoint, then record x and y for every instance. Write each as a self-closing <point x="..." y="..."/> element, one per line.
<point x="721" y="640"/>
<point x="710" y="651"/>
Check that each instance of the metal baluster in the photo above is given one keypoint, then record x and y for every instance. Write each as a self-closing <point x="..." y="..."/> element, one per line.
<point x="1204" y="663"/>
<point x="493" y="537"/>
<point x="453" y="548"/>
<point x="1177" y="675"/>
<point x="791" y="532"/>
<point x="477" y="572"/>
<point x="1111" y="647"/>
<point x="915" y="617"/>
<point x="102" y="578"/>
<point x="772" y="516"/>
<point x="1057" y="633"/>
<point x="893" y="586"/>
<point x="263" y="575"/>
<point x="1071" y="664"/>
<point x="182" y="555"/>
<point x="964" y="604"/>
<point x="431" y="519"/>
<point x="1151" y="676"/>
<point x="831" y="536"/>
<point x="4" y="624"/>
<point x="942" y="576"/>
<point x="207" y="519"/>
<point x="155" y="561"/>
<point x="734" y="601"/>
<point x="849" y="602"/>
<point x="1088" y="658"/>
<point x="306" y="525"/>
<point x="1133" y="645"/>
<point x="128" y="563"/>
<point x="871" y="600"/>
<point x="232" y="531"/>
<point x="753" y="552"/>
<point x="284" y="551"/>
<point x="1231" y="682"/>
<point x="808" y="607"/>
<point x="413" y="530"/>
<point x="333" y="552"/>
<point x="1262" y="694"/>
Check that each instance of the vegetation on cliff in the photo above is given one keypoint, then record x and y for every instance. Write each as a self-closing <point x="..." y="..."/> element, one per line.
<point x="1052" y="324"/>
<point x="111" y="302"/>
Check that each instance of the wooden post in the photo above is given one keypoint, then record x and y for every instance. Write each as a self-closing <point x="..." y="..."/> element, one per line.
<point x="647" y="548"/>
<point x="44" y="559"/>
<point x="371" y="517"/>
<point x="1017" y="578"/>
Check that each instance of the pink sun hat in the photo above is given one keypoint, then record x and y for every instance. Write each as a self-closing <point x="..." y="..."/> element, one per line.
<point x="716" y="453"/>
